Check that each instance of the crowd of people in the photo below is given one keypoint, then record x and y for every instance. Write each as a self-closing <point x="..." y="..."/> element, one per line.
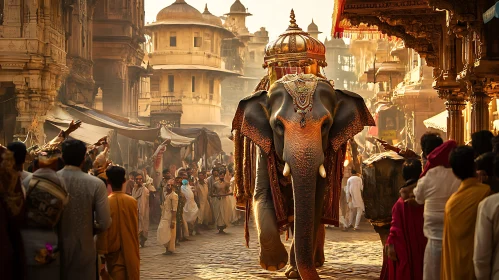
<point x="444" y="225"/>
<point x="446" y="222"/>
<point x="71" y="219"/>
<point x="184" y="204"/>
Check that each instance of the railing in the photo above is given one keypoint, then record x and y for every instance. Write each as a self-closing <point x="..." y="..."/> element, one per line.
<point x="167" y="104"/>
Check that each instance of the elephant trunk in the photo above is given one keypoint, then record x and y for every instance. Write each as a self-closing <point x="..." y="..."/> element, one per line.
<point x="304" y="170"/>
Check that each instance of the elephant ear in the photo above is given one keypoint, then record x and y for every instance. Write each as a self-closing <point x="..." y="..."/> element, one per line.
<point x="252" y="120"/>
<point x="350" y="118"/>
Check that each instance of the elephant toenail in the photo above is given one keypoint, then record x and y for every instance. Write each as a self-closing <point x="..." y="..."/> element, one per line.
<point x="281" y="265"/>
<point x="271" y="268"/>
<point x="262" y="264"/>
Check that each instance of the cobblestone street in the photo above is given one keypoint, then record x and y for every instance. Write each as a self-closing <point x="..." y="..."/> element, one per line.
<point x="349" y="255"/>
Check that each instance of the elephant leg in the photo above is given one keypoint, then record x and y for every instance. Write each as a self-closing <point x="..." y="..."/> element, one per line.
<point x="319" y="249"/>
<point x="292" y="269"/>
<point x="273" y="254"/>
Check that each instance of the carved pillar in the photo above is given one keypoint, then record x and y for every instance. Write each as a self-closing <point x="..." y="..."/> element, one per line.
<point x="22" y="119"/>
<point x="455" y="121"/>
<point x="479" y="112"/>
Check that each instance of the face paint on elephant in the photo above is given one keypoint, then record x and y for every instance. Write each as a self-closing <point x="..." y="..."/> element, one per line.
<point x="300" y="131"/>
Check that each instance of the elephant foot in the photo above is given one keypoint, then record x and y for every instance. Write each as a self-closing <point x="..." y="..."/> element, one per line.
<point x="292" y="272"/>
<point x="274" y="259"/>
<point x="319" y="257"/>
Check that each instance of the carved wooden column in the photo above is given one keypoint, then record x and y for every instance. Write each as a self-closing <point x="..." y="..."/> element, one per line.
<point x="455" y="105"/>
<point x="479" y="112"/>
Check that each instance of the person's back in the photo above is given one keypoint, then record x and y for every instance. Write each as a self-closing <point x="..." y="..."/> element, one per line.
<point x="459" y="229"/>
<point x="433" y="190"/>
<point x="120" y="243"/>
<point x="355" y="188"/>
<point x="43" y="187"/>
<point x="123" y="230"/>
<point x="88" y="198"/>
<point x="486" y="254"/>
<point x="460" y="217"/>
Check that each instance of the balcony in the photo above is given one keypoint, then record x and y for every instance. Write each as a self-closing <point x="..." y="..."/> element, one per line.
<point x="166" y="104"/>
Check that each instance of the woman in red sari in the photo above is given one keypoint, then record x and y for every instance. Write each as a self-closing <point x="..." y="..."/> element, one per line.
<point x="406" y="243"/>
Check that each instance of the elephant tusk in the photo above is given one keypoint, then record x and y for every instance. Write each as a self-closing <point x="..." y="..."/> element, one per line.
<point x="322" y="171"/>
<point x="286" y="170"/>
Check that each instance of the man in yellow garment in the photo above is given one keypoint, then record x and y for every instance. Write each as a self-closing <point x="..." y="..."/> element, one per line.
<point x="120" y="243"/>
<point x="460" y="217"/>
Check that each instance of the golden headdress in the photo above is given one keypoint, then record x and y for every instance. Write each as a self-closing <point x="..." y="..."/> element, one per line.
<point x="294" y="51"/>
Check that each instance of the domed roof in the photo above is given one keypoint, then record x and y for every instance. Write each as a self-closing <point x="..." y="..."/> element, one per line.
<point x="295" y="46"/>
<point x="179" y="10"/>
<point x="210" y="18"/>
<point x="313" y="27"/>
<point x="237" y="7"/>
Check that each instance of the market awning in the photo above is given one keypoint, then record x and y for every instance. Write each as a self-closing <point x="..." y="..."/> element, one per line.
<point x="98" y="118"/>
<point x="438" y="121"/>
<point x="178" y="141"/>
<point x="59" y="119"/>
<point x="87" y="133"/>
<point x="207" y="142"/>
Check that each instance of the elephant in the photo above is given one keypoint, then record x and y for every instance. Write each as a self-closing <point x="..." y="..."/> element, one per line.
<point x="300" y="128"/>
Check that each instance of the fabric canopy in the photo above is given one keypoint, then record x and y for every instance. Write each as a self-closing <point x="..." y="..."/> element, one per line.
<point x="97" y="118"/>
<point x="86" y="133"/>
<point x="207" y="142"/>
<point x="438" y="121"/>
<point x="59" y="119"/>
<point x="178" y="141"/>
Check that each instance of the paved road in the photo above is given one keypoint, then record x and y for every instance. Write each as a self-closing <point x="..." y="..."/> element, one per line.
<point x="349" y="255"/>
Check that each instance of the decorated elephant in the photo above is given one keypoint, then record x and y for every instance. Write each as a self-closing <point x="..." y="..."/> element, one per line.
<point x="294" y="135"/>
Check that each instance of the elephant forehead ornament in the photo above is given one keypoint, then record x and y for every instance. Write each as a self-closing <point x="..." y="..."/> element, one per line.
<point x="301" y="88"/>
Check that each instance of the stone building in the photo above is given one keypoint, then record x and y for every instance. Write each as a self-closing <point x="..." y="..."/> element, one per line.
<point x="458" y="39"/>
<point x="47" y="55"/>
<point x="33" y="64"/>
<point x="118" y="34"/>
<point x="245" y="55"/>
<point x="187" y="63"/>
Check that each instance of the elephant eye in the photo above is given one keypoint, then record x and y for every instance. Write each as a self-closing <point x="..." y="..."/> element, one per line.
<point x="279" y="127"/>
<point x="325" y="126"/>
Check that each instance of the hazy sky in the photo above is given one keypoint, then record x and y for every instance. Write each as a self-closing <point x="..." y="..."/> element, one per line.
<point x="272" y="14"/>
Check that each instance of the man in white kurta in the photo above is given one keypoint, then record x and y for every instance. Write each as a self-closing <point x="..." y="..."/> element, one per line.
<point x="354" y="197"/>
<point x="190" y="208"/>
<point x="486" y="254"/>
<point x="167" y="226"/>
<point x="433" y="190"/>
<point x="141" y="194"/>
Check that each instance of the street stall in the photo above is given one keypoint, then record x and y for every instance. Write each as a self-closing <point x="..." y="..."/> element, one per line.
<point x="207" y="144"/>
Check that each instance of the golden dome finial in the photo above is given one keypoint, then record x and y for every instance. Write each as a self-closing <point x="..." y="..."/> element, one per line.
<point x="292" y="21"/>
